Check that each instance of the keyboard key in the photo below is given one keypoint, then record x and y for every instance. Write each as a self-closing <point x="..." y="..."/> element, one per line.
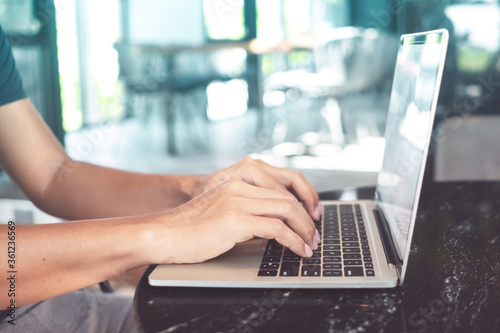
<point x="265" y="272"/>
<point x="273" y="245"/>
<point x="365" y="247"/>
<point x="311" y="270"/>
<point x="332" y="273"/>
<point x="331" y="247"/>
<point x="309" y="261"/>
<point x="274" y="253"/>
<point x="269" y="265"/>
<point x="331" y="241"/>
<point x="370" y="272"/>
<point x="271" y="259"/>
<point x="331" y="227"/>
<point x="351" y="250"/>
<point x="316" y="255"/>
<point x="291" y="258"/>
<point x="331" y="237"/>
<point x="290" y="269"/>
<point x="367" y="253"/>
<point x="352" y="262"/>
<point x="367" y="259"/>
<point x="332" y="259"/>
<point x="368" y="265"/>
<point x="332" y="266"/>
<point x="350" y="244"/>
<point x="352" y="256"/>
<point x="350" y="234"/>
<point x="353" y="271"/>
<point x="331" y="253"/>
<point x="350" y="239"/>
<point x="363" y="241"/>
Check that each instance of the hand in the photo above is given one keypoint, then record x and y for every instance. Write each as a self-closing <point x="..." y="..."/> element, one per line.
<point x="259" y="173"/>
<point x="229" y="213"/>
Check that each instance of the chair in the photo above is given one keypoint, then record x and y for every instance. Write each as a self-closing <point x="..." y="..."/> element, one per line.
<point x="180" y="79"/>
<point x="143" y="75"/>
<point x="190" y="74"/>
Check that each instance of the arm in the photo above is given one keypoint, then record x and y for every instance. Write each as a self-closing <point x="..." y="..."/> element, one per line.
<point x="53" y="259"/>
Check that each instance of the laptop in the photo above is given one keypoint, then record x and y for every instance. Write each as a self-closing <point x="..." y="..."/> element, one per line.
<point x="364" y="244"/>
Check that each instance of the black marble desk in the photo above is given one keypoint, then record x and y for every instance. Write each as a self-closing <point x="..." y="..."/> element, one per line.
<point x="452" y="283"/>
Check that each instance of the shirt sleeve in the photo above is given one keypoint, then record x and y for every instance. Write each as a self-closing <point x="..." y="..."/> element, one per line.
<point x="11" y="86"/>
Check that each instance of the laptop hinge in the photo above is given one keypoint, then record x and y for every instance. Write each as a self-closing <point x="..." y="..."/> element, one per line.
<point x="388" y="244"/>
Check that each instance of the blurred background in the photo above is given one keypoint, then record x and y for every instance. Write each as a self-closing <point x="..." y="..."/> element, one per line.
<point x="193" y="86"/>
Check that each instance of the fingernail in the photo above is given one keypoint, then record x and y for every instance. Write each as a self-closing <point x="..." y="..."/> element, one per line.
<point x="309" y="251"/>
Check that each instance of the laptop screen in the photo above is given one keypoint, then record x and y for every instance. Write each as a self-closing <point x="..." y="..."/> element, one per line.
<point x="415" y="89"/>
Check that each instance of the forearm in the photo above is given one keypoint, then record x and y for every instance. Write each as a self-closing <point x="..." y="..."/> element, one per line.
<point x="80" y="190"/>
<point x="57" y="258"/>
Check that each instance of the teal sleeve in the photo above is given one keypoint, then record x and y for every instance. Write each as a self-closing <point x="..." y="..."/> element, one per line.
<point x="11" y="86"/>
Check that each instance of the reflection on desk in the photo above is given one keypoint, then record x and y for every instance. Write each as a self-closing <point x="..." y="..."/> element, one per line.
<point x="452" y="284"/>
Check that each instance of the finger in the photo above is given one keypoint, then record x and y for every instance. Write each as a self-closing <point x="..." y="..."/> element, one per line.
<point x="271" y="228"/>
<point x="280" y="204"/>
<point x="244" y="189"/>
<point x="293" y="179"/>
<point x="287" y="203"/>
<point x="252" y="172"/>
<point x="301" y="187"/>
<point x="288" y="210"/>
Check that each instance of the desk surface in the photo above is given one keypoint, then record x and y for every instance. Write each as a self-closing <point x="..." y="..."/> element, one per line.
<point x="254" y="46"/>
<point x="452" y="283"/>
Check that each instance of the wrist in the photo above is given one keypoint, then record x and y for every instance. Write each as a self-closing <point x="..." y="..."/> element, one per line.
<point x="157" y="237"/>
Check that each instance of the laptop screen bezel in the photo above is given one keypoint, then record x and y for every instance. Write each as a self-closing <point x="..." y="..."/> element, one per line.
<point x="413" y="39"/>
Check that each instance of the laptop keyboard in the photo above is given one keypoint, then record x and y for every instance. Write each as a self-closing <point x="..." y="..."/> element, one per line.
<point x="344" y="249"/>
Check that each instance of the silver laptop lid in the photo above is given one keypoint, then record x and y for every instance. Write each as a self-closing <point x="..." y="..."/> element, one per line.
<point x="412" y="108"/>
